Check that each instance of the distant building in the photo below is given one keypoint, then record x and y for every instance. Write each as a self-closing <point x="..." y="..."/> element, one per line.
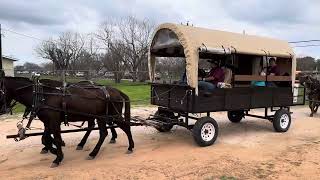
<point x="7" y="65"/>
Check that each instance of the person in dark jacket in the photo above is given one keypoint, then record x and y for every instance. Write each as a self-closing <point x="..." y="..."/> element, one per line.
<point x="215" y="76"/>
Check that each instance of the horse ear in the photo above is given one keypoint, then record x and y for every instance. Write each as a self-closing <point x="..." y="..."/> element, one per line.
<point x="2" y="74"/>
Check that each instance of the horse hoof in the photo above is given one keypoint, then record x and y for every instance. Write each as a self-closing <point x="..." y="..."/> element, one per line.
<point x="90" y="157"/>
<point x="79" y="148"/>
<point x="112" y="141"/>
<point x="129" y="152"/>
<point x="54" y="165"/>
<point x="43" y="151"/>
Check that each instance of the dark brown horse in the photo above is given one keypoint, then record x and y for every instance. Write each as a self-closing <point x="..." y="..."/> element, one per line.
<point x="313" y="92"/>
<point x="82" y="104"/>
<point x="48" y="139"/>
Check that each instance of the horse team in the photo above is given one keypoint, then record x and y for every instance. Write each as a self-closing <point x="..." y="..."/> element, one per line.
<point x="74" y="103"/>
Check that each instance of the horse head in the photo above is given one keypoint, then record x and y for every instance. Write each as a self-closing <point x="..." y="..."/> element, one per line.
<point x="14" y="88"/>
<point x="306" y="80"/>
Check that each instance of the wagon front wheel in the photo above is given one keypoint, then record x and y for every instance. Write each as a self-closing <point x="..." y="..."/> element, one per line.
<point x="235" y="116"/>
<point x="165" y="127"/>
<point x="205" y="131"/>
<point x="282" y="120"/>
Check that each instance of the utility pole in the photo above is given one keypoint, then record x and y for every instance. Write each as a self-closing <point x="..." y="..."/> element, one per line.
<point x="0" y="49"/>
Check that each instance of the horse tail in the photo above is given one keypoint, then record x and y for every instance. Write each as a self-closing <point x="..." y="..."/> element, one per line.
<point x="127" y="109"/>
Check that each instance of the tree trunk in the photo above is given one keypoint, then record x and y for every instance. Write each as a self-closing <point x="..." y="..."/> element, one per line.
<point x="117" y="77"/>
<point x="134" y="76"/>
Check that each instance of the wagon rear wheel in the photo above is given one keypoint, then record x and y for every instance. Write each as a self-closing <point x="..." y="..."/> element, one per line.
<point x="235" y="116"/>
<point x="164" y="127"/>
<point x="205" y="131"/>
<point x="281" y="120"/>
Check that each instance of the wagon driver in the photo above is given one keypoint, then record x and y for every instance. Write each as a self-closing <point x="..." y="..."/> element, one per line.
<point x="215" y="75"/>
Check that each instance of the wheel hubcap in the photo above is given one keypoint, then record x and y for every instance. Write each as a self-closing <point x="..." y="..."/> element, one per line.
<point x="284" y="121"/>
<point x="207" y="132"/>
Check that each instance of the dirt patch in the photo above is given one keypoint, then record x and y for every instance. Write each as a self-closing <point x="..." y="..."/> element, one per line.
<point x="248" y="150"/>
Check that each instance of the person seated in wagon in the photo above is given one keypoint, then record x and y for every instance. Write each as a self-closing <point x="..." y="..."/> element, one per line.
<point x="273" y="69"/>
<point x="215" y="76"/>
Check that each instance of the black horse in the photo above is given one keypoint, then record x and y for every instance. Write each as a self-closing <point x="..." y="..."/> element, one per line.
<point x="77" y="104"/>
<point x="313" y="92"/>
<point x="91" y="124"/>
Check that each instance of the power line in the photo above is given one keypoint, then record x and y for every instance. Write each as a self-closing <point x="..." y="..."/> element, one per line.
<point x="25" y="35"/>
<point x="310" y="45"/>
<point x="304" y="41"/>
<point x="39" y="39"/>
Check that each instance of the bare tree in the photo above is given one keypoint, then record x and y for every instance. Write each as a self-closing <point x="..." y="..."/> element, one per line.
<point x="115" y="54"/>
<point x="95" y="55"/>
<point x="135" y="35"/>
<point x="127" y="40"/>
<point x="170" y="68"/>
<point x="64" y="52"/>
<point x="47" y="66"/>
<point x="114" y="61"/>
<point x="90" y="58"/>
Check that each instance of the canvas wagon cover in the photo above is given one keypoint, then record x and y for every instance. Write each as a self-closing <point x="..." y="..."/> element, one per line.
<point x="192" y="38"/>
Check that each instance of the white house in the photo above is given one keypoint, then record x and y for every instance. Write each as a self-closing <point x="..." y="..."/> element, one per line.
<point x="7" y="65"/>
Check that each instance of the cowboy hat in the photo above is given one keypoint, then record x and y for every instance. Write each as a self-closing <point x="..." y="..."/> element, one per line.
<point x="213" y="61"/>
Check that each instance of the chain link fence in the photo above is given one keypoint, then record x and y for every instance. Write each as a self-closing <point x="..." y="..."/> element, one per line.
<point x="112" y="76"/>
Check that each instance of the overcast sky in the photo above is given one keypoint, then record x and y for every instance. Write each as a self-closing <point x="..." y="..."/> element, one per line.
<point x="289" y="20"/>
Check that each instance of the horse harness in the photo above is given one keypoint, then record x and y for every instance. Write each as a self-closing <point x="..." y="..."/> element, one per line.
<point x="38" y="99"/>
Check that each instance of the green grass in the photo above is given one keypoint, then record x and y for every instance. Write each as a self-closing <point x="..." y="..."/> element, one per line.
<point x="228" y="178"/>
<point x="138" y="92"/>
<point x="19" y="108"/>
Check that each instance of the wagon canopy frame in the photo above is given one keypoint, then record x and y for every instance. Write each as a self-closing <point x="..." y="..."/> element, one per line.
<point x="174" y="40"/>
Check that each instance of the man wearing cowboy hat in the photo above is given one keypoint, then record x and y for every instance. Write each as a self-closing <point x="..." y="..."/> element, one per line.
<point x="215" y="75"/>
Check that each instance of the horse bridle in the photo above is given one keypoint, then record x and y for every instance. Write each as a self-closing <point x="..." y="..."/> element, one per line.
<point x="3" y="100"/>
<point x="7" y="107"/>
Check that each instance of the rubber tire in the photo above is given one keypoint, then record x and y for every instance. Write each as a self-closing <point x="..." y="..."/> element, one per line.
<point x="165" y="128"/>
<point x="196" y="131"/>
<point x="235" y="116"/>
<point x="277" y="120"/>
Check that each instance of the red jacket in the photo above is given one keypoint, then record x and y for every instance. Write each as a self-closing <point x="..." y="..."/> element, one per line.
<point x="218" y="75"/>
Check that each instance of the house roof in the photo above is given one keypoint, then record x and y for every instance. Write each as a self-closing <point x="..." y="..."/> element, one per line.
<point x="9" y="58"/>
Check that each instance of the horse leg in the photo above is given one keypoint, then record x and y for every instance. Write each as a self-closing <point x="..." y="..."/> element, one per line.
<point x="125" y="126"/>
<point x="58" y="142"/>
<point x="85" y="137"/>
<point x="47" y="141"/>
<point x="311" y="108"/>
<point x="113" y="132"/>
<point x="316" y="109"/>
<point x="103" y="133"/>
